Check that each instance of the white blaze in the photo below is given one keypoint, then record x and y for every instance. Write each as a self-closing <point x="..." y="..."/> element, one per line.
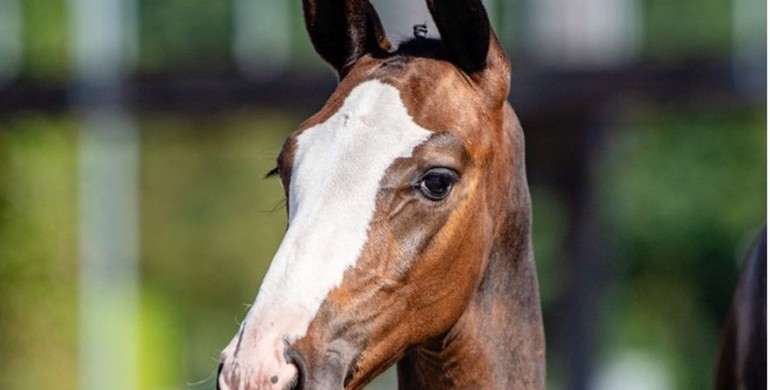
<point x="337" y="171"/>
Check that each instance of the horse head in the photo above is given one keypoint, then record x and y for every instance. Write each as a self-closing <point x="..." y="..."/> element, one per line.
<point x="408" y="236"/>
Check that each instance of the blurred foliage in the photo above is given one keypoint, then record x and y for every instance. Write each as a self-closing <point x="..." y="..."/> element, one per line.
<point x="46" y="36"/>
<point x="685" y="194"/>
<point x="685" y="28"/>
<point x="210" y="226"/>
<point x="38" y="253"/>
<point x="196" y="35"/>
<point x="682" y="192"/>
<point x="549" y="229"/>
<point x="189" y="34"/>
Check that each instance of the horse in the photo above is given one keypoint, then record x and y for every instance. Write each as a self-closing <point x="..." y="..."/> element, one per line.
<point x="742" y="358"/>
<point x="409" y="219"/>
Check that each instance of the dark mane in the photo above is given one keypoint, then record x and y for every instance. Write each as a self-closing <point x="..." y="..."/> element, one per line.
<point x="419" y="47"/>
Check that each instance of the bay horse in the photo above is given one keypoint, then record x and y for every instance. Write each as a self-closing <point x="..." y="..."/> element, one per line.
<point x="742" y="358"/>
<point x="408" y="237"/>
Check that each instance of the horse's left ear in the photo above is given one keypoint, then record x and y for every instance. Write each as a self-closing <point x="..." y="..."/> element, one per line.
<point x="342" y="31"/>
<point x="468" y="41"/>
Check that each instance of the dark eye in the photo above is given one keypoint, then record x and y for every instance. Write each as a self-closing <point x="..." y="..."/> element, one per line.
<point x="437" y="183"/>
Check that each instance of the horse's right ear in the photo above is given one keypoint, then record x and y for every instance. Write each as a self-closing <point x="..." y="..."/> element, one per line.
<point x="342" y="31"/>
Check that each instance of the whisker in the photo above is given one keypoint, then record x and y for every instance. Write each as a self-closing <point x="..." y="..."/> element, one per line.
<point x="207" y="383"/>
<point x="293" y="382"/>
<point x="279" y="205"/>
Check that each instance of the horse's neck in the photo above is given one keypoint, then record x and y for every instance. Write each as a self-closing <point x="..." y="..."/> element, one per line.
<point x="498" y="341"/>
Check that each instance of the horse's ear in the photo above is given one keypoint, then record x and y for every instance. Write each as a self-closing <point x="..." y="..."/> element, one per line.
<point x="342" y="31"/>
<point x="468" y="41"/>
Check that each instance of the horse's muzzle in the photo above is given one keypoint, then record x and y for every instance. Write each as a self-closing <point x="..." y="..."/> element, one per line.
<point x="330" y="375"/>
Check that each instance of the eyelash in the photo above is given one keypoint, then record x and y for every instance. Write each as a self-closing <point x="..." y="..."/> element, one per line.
<point x="273" y="172"/>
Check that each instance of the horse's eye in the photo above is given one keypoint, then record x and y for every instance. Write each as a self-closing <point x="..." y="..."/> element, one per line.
<point x="437" y="183"/>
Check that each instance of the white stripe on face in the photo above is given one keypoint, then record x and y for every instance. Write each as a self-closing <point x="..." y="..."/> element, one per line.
<point x="338" y="166"/>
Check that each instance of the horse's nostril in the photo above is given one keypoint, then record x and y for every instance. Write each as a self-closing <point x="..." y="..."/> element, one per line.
<point x="219" y="372"/>
<point x="295" y="358"/>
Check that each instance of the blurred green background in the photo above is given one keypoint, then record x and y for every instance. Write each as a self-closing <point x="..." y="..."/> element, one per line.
<point x="674" y="185"/>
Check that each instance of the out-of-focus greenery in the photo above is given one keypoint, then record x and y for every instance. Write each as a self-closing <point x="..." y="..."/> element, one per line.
<point x="685" y="193"/>
<point x="683" y="28"/>
<point x="680" y="193"/>
<point x="46" y="35"/>
<point x="196" y="34"/>
<point x="210" y="226"/>
<point x="680" y="190"/>
<point x="176" y="33"/>
<point x="38" y="253"/>
<point x="549" y="227"/>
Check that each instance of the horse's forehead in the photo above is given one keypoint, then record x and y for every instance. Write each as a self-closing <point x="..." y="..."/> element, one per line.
<point x="426" y="88"/>
<point x="361" y="138"/>
<point x="385" y="94"/>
